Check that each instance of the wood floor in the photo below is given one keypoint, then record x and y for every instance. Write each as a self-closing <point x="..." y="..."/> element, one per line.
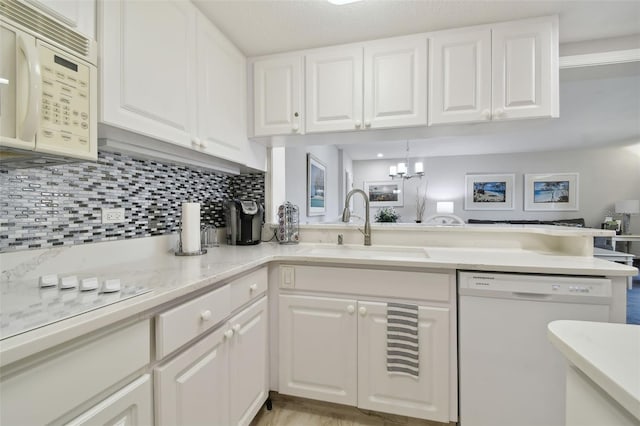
<point x="292" y="411"/>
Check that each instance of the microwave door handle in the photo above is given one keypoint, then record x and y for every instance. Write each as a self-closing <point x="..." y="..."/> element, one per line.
<point x="30" y="123"/>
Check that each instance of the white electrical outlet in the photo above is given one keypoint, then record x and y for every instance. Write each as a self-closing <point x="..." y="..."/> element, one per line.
<point x="113" y="215"/>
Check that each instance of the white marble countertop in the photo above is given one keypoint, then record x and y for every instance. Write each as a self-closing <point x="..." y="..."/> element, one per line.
<point x="608" y="353"/>
<point x="171" y="277"/>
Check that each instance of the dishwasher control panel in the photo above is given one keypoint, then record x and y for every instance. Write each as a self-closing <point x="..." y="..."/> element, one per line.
<point x="533" y="284"/>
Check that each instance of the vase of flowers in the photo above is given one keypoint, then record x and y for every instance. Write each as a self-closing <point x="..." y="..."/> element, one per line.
<point x="421" y="202"/>
<point x="387" y="214"/>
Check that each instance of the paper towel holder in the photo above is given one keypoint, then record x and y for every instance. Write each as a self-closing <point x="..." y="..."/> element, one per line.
<point x="179" y="251"/>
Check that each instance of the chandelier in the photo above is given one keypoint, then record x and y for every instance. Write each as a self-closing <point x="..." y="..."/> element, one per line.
<point x="401" y="170"/>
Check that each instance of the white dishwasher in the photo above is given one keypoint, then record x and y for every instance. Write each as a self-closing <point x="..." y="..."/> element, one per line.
<point x="510" y="374"/>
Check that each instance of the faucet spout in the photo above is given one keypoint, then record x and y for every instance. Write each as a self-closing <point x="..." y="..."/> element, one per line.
<point x="346" y="213"/>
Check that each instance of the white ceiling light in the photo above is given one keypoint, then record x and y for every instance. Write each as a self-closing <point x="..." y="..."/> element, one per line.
<point x="401" y="170"/>
<point x="342" y="2"/>
<point x="380" y="155"/>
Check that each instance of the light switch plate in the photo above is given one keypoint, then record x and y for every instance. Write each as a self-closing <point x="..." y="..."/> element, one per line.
<point x="287" y="277"/>
<point x="113" y="215"/>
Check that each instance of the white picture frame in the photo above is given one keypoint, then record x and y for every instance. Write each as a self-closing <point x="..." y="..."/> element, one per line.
<point x="385" y="193"/>
<point x="489" y="191"/>
<point x="551" y="191"/>
<point x="316" y="187"/>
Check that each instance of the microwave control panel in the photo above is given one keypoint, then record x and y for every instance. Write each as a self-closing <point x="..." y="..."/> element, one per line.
<point x="65" y="106"/>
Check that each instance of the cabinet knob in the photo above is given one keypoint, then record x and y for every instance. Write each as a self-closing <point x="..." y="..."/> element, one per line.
<point x="367" y="123"/>
<point x="498" y="112"/>
<point x="236" y="328"/>
<point x="228" y="334"/>
<point x="206" y="315"/>
<point x="486" y="114"/>
<point x="351" y="309"/>
<point x="195" y="141"/>
<point x="362" y="311"/>
<point x="253" y="287"/>
<point x="358" y="124"/>
<point x="295" y="127"/>
<point x="204" y="143"/>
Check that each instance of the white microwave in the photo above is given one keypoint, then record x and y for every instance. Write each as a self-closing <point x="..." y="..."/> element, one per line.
<point x="48" y="90"/>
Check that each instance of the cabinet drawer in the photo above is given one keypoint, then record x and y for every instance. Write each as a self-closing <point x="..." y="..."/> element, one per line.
<point x="248" y="287"/>
<point x="177" y="326"/>
<point x="43" y="392"/>
<point x="433" y="286"/>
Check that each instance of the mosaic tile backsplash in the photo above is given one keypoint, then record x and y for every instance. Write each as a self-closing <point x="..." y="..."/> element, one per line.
<point x="61" y="205"/>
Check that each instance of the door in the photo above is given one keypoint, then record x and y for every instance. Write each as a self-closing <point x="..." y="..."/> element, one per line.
<point x="525" y="70"/>
<point x="460" y="76"/>
<point x="425" y="396"/>
<point x="277" y="96"/>
<point x="248" y="357"/>
<point x="318" y="348"/>
<point x="130" y="406"/>
<point x="334" y="89"/>
<point x="220" y="94"/>
<point x="395" y="83"/>
<point x="78" y="14"/>
<point x="193" y="388"/>
<point x="147" y="67"/>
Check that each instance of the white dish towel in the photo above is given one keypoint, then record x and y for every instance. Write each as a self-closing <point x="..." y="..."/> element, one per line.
<point x="403" y="354"/>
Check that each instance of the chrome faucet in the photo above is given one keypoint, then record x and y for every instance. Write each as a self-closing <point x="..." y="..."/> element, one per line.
<point x="346" y="214"/>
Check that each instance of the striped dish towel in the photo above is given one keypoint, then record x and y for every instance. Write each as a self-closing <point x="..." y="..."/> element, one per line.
<point x="402" y="339"/>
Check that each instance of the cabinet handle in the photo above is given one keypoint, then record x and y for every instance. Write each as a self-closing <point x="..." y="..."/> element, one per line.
<point x="499" y="112"/>
<point x="351" y="309"/>
<point x="206" y="315"/>
<point x="253" y="287"/>
<point x="236" y="328"/>
<point x="367" y="123"/>
<point x="362" y="311"/>
<point x="358" y="124"/>
<point x="486" y="114"/>
<point x="228" y="334"/>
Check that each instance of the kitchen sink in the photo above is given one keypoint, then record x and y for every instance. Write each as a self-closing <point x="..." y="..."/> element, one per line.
<point x="370" y="252"/>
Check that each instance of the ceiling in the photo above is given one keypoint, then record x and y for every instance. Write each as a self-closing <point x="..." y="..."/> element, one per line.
<point x="260" y="27"/>
<point x="599" y="106"/>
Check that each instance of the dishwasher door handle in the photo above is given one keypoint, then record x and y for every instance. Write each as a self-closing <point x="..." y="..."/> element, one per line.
<point x="538" y="296"/>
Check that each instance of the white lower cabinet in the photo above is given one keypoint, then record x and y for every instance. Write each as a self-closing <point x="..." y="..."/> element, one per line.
<point x="335" y="350"/>
<point x="220" y="380"/>
<point x="130" y="406"/>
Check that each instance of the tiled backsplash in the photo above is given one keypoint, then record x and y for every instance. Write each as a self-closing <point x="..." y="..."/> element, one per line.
<point x="62" y="206"/>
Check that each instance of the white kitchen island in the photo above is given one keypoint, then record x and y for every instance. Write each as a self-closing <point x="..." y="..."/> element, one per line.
<point x="603" y="371"/>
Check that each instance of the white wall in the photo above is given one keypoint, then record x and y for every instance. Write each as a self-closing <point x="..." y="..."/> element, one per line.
<point x="606" y="175"/>
<point x="296" y="180"/>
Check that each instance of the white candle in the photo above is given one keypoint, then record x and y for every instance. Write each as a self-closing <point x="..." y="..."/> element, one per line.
<point x="402" y="168"/>
<point x="392" y="171"/>
<point x="419" y="168"/>
<point x="190" y="227"/>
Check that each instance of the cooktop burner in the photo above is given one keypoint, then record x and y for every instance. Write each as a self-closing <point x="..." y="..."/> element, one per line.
<point x="27" y="306"/>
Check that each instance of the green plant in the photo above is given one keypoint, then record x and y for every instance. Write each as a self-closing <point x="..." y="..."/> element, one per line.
<point x="387" y="214"/>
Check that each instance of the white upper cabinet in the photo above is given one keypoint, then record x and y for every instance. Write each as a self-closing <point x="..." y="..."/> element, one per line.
<point x="395" y="83"/>
<point x="525" y="69"/>
<point x="379" y="85"/>
<point x="146" y="67"/>
<point x="221" y="123"/>
<point x="334" y="89"/>
<point x="277" y="96"/>
<point x="498" y="72"/>
<point x="78" y="14"/>
<point x="460" y="76"/>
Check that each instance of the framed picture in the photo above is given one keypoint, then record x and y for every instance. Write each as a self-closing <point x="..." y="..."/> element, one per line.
<point x="551" y="191"/>
<point x="316" y="186"/>
<point x="384" y="193"/>
<point x="489" y="192"/>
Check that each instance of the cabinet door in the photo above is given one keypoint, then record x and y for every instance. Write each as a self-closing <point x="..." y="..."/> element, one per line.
<point x="277" y="96"/>
<point x="395" y="83"/>
<point x="334" y="89"/>
<point x="221" y="94"/>
<point x="146" y="72"/>
<point x="130" y="406"/>
<point x="78" y="14"/>
<point x="425" y="396"/>
<point x="248" y="356"/>
<point x="525" y="69"/>
<point x="193" y="388"/>
<point x="460" y="76"/>
<point x="318" y="348"/>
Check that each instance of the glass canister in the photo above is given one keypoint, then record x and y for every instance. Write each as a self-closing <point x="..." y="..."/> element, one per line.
<point x="288" y="223"/>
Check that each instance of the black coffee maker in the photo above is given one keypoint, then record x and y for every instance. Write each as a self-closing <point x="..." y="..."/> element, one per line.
<point x="244" y="222"/>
